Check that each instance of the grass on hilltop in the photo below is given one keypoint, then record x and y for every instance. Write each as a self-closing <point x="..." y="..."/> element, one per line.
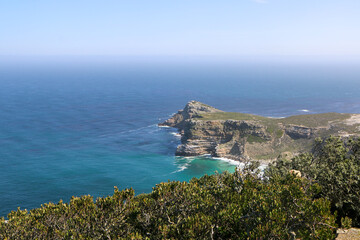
<point x="308" y="120"/>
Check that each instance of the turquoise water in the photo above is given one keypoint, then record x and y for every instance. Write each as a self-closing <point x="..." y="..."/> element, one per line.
<point x="75" y="127"/>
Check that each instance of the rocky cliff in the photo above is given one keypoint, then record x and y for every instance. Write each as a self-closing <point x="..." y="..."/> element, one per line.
<point x="207" y="130"/>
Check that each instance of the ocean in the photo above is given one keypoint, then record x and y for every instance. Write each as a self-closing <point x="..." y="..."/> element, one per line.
<point x="78" y="126"/>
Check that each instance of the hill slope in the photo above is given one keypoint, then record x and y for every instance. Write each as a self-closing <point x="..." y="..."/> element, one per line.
<point x="207" y="130"/>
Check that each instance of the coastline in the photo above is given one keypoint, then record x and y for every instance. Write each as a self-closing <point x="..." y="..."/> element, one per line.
<point x="235" y="162"/>
<point x="242" y="137"/>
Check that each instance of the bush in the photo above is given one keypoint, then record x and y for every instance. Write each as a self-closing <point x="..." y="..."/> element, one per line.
<point x="335" y="165"/>
<point x="221" y="206"/>
<point x="346" y="222"/>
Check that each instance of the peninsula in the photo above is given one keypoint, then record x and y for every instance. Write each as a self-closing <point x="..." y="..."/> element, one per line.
<point x="239" y="136"/>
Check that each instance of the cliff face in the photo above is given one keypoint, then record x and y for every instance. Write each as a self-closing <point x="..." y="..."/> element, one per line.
<point x="193" y="109"/>
<point x="207" y="130"/>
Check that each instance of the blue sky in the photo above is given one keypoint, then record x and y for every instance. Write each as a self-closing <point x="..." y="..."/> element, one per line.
<point x="180" y="27"/>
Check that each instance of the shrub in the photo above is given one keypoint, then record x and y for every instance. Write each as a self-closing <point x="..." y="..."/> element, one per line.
<point x="346" y="222"/>
<point x="335" y="165"/>
<point x="221" y="206"/>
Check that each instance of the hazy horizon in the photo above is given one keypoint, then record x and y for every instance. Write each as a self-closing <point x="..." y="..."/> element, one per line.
<point x="259" y="28"/>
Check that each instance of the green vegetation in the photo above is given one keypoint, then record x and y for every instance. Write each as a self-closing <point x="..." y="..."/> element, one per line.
<point x="255" y="139"/>
<point x="279" y="133"/>
<point x="314" y="120"/>
<point x="270" y="129"/>
<point x="230" y="115"/>
<point x="308" y="120"/>
<point x="305" y="197"/>
<point x="335" y="166"/>
<point x="274" y="128"/>
<point x="222" y="206"/>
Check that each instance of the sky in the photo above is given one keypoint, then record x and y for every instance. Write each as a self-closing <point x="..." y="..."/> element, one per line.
<point x="180" y="27"/>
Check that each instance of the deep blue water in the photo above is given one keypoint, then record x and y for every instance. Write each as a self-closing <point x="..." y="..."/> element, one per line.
<point x="75" y="127"/>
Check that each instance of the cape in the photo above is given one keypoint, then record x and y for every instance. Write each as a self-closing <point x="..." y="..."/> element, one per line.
<point x="206" y="130"/>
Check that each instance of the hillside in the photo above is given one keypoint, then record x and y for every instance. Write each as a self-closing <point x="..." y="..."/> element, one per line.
<point x="239" y="136"/>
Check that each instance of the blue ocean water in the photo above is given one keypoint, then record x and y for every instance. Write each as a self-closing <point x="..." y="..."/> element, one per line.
<point x="78" y="126"/>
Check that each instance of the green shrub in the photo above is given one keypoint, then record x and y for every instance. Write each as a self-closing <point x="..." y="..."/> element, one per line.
<point x="255" y="139"/>
<point x="335" y="166"/>
<point x="279" y="133"/>
<point x="346" y="222"/>
<point x="221" y="206"/>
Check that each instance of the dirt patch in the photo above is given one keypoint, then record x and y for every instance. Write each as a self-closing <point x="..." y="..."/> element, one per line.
<point x="351" y="234"/>
<point x="354" y="119"/>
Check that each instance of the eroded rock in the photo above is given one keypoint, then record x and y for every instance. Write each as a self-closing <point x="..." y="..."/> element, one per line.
<point x="205" y="130"/>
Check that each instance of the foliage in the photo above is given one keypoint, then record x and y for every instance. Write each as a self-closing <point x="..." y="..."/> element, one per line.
<point x="221" y="206"/>
<point x="255" y="139"/>
<point x="346" y="222"/>
<point x="335" y="165"/>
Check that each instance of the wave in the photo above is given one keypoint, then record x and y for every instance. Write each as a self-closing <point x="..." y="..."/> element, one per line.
<point x="241" y="165"/>
<point x="163" y="126"/>
<point x="153" y="127"/>
<point x="177" y="135"/>
<point x="303" y="110"/>
<point x="141" y="128"/>
<point x="238" y="164"/>
<point x="183" y="166"/>
<point x="277" y="117"/>
<point x="231" y="161"/>
<point x="228" y="160"/>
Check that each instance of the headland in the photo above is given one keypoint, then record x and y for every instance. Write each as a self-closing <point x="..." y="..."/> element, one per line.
<point x="206" y="130"/>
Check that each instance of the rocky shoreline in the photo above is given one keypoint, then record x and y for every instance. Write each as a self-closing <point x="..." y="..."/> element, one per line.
<point x="206" y="130"/>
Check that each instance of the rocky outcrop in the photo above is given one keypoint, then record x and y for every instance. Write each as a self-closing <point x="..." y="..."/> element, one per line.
<point x="297" y="132"/>
<point x="206" y="130"/>
<point x="192" y="110"/>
